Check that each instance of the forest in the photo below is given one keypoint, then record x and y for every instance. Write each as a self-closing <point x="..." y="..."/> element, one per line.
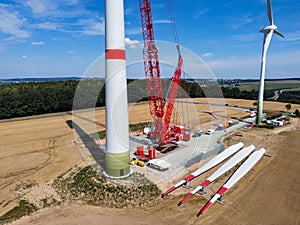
<point x="34" y="98"/>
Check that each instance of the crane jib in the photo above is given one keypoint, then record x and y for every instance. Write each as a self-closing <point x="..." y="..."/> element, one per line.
<point x="159" y="110"/>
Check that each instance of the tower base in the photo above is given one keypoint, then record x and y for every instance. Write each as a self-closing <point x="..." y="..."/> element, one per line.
<point x="258" y="118"/>
<point x="117" y="164"/>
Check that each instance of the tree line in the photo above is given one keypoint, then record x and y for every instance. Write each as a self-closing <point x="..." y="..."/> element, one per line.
<point x="34" y="98"/>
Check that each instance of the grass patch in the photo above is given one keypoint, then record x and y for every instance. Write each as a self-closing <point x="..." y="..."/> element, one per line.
<point x="227" y="140"/>
<point x="99" y="135"/>
<point x="138" y="126"/>
<point x="23" y="209"/>
<point x="90" y="186"/>
<point x="273" y="115"/>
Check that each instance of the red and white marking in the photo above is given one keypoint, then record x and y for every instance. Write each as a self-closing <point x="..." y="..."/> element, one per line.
<point x="242" y="154"/>
<point x="240" y="172"/>
<point x="207" y="166"/>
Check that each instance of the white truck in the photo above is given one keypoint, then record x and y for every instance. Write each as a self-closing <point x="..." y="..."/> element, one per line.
<point x="210" y="131"/>
<point x="159" y="164"/>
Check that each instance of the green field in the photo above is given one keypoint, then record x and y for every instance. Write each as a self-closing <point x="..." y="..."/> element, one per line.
<point x="286" y="85"/>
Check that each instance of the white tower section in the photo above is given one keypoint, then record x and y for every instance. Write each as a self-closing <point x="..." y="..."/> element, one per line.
<point x="117" y="135"/>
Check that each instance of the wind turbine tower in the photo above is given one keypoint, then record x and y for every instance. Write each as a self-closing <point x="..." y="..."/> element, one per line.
<point x="117" y="137"/>
<point x="268" y="32"/>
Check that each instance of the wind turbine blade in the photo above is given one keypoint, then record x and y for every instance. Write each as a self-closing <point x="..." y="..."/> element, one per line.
<point x="278" y="33"/>
<point x="270" y="12"/>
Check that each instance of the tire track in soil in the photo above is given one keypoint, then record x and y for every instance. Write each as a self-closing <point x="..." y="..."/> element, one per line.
<point x="20" y="175"/>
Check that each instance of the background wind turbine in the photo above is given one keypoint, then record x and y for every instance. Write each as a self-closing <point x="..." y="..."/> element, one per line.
<point x="268" y="32"/>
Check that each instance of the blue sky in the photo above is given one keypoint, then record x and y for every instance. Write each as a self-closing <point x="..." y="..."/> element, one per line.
<point x="55" y="38"/>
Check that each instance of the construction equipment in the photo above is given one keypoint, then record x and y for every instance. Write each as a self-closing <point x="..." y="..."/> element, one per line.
<point x="210" y="132"/>
<point x="160" y="110"/>
<point x="159" y="164"/>
<point x="133" y="161"/>
<point x="140" y="163"/>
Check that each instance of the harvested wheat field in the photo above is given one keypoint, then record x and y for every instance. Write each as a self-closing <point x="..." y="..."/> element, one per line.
<point x="36" y="151"/>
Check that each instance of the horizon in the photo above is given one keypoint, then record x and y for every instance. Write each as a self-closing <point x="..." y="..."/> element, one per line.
<point x="42" y="38"/>
<point x="141" y="78"/>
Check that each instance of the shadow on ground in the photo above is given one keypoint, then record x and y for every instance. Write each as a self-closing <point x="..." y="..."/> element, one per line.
<point x="98" y="154"/>
<point x="88" y="120"/>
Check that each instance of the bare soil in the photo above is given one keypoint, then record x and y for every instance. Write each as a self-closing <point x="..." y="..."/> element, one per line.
<point x="39" y="150"/>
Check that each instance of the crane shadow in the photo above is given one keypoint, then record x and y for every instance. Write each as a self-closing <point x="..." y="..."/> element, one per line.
<point x="98" y="154"/>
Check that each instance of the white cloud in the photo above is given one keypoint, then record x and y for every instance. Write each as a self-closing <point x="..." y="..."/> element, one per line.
<point x="158" y="5"/>
<point x="237" y="22"/>
<point x="128" y="11"/>
<point x="12" y="24"/>
<point x="40" y="6"/>
<point x="207" y="54"/>
<point x="250" y="37"/>
<point x="24" y="56"/>
<point x="200" y="13"/>
<point x="91" y="27"/>
<point x="38" y="43"/>
<point x="2" y="47"/>
<point x="46" y="26"/>
<point x="285" y="64"/>
<point x="131" y="43"/>
<point x="70" y="2"/>
<point x="55" y="9"/>
<point x="136" y="30"/>
<point x="233" y="57"/>
<point x="292" y="36"/>
<point x="161" y="21"/>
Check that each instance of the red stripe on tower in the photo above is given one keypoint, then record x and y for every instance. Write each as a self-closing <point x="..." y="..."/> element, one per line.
<point x="115" y="54"/>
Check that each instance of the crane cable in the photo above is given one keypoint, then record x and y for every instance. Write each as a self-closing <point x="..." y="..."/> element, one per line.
<point x="174" y="28"/>
<point x="176" y="40"/>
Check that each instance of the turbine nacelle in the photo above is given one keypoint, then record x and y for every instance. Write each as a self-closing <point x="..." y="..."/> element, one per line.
<point x="268" y="28"/>
<point x="272" y="26"/>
